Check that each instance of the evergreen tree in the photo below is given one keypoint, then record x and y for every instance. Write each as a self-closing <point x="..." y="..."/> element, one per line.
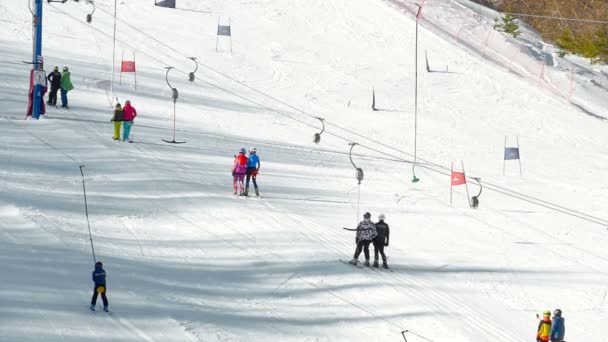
<point x="508" y="24"/>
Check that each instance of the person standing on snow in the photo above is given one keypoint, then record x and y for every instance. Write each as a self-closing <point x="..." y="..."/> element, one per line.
<point x="544" y="327"/>
<point x="99" y="278"/>
<point x="239" y="170"/>
<point x="381" y="240"/>
<point x="253" y="167"/>
<point x="55" y="78"/>
<point x="66" y="85"/>
<point x="129" y="116"/>
<point x="117" y="118"/>
<point x="558" y="327"/>
<point x="366" y="232"/>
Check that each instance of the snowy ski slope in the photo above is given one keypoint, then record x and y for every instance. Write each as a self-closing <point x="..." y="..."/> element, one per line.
<point x="188" y="261"/>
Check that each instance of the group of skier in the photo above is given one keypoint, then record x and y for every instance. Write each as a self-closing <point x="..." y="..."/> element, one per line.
<point x="369" y="232"/>
<point x="60" y="81"/>
<point x="551" y="330"/>
<point x="123" y="116"/>
<point x="245" y="169"/>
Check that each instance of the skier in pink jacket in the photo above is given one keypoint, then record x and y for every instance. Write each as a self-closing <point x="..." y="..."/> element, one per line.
<point x="130" y="115"/>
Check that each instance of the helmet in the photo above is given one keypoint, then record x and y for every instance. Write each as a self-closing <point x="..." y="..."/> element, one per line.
<point x="547" y="313"/>
<point x="367" y="215"/>
<point x="127" y="102"/>
<point x="65" y="68"/>
<point x="381" y="217"/>
<point x="56" y="68"/>
<point x="253" y="150"/>
<point x="557" y="312"/>
<point x="118" y="105"/>
<point x="243" y="151"/>
<point x="98" y="263"/>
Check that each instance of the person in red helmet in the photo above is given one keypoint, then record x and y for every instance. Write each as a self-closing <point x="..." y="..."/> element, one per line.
<point x="239" y="170"/>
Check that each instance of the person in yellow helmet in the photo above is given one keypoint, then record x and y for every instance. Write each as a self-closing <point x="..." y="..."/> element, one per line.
<point x="544" y="327"/>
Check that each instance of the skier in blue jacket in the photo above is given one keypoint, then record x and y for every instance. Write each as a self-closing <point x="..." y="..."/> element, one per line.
<point x="99" y="278"/>
<point x="558" y="327"/>
<point x="253" y="167"/>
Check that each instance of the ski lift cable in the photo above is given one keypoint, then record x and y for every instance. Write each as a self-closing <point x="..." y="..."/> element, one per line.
<point x="529" y="199"/>
<point x="499" y="189"/>
<point x="266" y="94"/>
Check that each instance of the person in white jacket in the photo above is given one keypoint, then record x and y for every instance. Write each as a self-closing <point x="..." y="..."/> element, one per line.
<point x="366" y="232"/>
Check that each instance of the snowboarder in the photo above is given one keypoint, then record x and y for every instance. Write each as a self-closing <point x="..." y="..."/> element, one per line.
<point x="129" y="116"/>
<point x="66" y="85"/>
<point x="366" y="232"/>
<point x="117" y="118"/>
<point x="558" y="327"/>
<point x="239" y="169"/>
<point x="99" y="278"/>
<point x="381" y="240"/>
<point x="55" y="78"/>
<point x="544" y="327"/>
<point x="253" y="167"/>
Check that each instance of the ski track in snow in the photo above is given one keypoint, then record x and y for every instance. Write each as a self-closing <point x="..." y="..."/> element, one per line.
<point x="187" y="260"/>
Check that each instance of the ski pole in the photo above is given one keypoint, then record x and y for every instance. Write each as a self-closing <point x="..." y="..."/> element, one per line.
<point x="86" y="210"/>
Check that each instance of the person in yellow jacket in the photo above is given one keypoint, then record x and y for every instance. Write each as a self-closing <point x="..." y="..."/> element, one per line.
<point x="117" y="118"/>
<point x="544" y="327"/>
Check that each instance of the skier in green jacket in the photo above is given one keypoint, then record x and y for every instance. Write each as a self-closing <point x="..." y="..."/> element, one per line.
<point x="66" y="85"/>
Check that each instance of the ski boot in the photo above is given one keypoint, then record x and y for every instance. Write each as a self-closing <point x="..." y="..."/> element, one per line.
<point x="385" y="265"/>
<point x="246" y="192"/>
<point x="376" y="263"/>
<point x="353" y="261"/>
<point x="105" y="308"/>
<point x="257" y="192"/>
<point x="366" y="262"/>
<point x="92" y="307"/>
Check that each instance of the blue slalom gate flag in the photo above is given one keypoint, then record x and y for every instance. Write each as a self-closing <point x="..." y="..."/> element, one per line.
<point x="165" y="3"/>
<point x="511" y="153"/>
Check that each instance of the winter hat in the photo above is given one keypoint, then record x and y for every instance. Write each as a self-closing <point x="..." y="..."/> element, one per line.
<point x="547" y="313"/>
<point x="367" y="215"/>
<point x="56" y="68"/>
<point x="253" y="150"/>
<point x="118" y="106"/>
<point x="98" y="264"/>
<point x="128" y="102"/>
<point x="243" y="151"/>
<point x="557" y="312"/>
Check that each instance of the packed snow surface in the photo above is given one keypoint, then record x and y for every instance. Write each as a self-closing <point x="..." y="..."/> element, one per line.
<point x="189" y="261"/>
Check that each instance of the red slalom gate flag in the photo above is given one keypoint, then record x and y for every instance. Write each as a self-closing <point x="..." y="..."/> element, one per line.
<point x="458" y="178"/>
<point x="127" y="66"/>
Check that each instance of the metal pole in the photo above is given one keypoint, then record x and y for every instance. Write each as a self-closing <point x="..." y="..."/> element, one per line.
<point x="504" y="157"/>
<point x="451" y="172"/>
<point x="519" y="155"/>
<point x="174" y="101"/>
<point x="416" y="98"/>
<point x="86" y="210"/>
<point x="37" y="96"/>
<point x="113" y="53"/>
<point x="465" y="183"/>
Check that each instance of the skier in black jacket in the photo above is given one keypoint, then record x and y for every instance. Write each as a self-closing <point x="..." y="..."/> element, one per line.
<point x="381" y="240"/>
<point x="55" y="79"/>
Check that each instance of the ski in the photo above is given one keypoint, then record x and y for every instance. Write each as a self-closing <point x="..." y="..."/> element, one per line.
<point x="358" y="265"/>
